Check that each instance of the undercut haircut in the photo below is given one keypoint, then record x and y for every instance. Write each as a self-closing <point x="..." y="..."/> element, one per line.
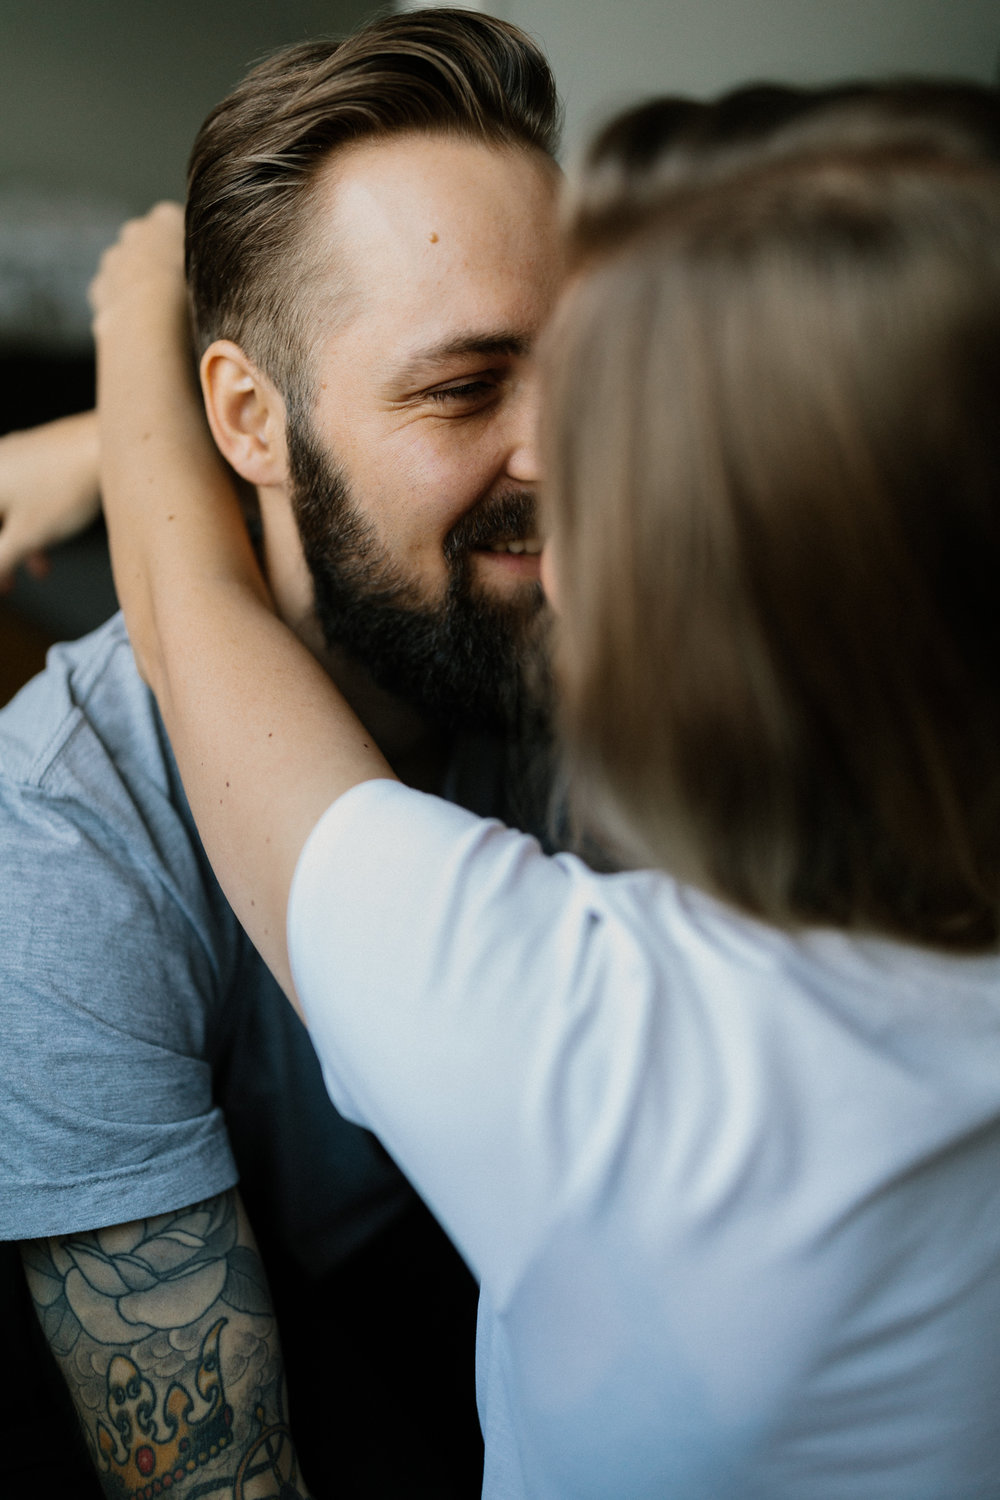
<point x="255" y="161"/>
<point x="774" y="459"/>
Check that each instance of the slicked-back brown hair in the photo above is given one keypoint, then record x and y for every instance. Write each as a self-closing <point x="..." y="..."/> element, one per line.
<point x="774" y="459"/>
<point x="255" y="160"/>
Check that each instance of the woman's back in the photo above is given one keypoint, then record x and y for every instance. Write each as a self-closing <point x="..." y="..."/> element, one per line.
<point x="732" y="1194"/>
<point x="793" y="1228"/>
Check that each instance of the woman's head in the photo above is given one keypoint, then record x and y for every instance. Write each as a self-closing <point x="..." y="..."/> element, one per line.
<point x="775" y="502"/>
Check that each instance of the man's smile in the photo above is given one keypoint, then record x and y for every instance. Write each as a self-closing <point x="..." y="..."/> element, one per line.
<point x="517" y="558"/>
<point x="531" y="545"/>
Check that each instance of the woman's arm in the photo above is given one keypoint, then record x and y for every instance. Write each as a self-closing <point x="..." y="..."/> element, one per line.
<point x="48" y="490"/>
<point x="263" y="739"/>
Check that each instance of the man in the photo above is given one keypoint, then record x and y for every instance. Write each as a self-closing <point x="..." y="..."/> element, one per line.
<point x="371" y="250"/>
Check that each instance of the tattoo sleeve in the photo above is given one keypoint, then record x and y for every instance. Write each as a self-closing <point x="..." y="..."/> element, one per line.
<point x="165" y="1334"/>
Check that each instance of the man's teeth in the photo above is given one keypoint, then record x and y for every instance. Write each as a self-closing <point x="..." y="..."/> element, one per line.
<point x="532" y="547"/>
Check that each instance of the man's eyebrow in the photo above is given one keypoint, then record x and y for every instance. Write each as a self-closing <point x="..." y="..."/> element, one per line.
<point x="486" y="345"/>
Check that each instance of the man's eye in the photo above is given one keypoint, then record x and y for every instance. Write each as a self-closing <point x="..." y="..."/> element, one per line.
<point x="471" y="392"/>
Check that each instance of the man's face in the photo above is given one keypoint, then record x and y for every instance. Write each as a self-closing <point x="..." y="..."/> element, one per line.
<point x="413" y="468"/>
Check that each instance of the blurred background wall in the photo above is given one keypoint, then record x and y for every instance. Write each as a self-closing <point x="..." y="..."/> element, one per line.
<point x="607" y="53"/>
<point x="100" y="100"/>
<point x="109" y="93"/>
<point x="106" y="95"/>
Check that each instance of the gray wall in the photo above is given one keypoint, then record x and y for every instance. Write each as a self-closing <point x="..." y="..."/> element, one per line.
<point x="106" y="95"/>
<point x="100" y="101"/>
<point x="607" y="53"/>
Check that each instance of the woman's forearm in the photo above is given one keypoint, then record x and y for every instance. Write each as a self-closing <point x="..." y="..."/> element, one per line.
<point x="263" y="739"/>
<point x="48" y="490"/>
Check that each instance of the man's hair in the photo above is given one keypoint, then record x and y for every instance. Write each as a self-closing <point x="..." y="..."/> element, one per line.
<point x="774" y="458"/>
<point x="255" y="160"/>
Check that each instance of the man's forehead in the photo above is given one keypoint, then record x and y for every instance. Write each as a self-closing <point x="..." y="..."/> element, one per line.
<point x="433" y="196"/>
<point x="454" y="239"/>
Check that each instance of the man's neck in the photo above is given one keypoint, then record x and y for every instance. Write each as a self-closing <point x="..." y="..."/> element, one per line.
<point x="416" y="749"/>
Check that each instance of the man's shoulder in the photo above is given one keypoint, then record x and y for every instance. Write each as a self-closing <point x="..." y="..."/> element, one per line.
<point x="82" y="743"/>
<point x="88" y="694"/>
<point x="89" y="793"/>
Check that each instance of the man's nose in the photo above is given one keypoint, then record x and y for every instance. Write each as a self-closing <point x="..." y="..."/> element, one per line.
<point x="522" y="456"/>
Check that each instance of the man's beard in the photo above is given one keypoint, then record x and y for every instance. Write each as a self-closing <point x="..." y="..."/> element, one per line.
<point x="460" y="662"/>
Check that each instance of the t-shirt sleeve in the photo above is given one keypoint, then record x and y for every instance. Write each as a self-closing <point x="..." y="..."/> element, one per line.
<point x="451" y="975"/>
<point x="106" y="1109"/>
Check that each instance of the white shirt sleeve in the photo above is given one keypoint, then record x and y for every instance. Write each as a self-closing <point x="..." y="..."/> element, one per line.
<point x="451" y="988"/>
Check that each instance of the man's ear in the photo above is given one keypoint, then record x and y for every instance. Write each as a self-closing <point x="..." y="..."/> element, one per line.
<point x="246" y="414"/>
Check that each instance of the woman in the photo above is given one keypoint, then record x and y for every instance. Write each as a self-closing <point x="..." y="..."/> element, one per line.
<point x="720" y="1134"/>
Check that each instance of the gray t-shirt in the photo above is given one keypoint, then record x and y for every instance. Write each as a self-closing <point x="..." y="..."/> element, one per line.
<point x="148" y="1057"/>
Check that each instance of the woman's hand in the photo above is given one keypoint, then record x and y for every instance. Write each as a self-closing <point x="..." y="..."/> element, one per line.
<point x="141" y="277"/>
<point x="48" y="491"/>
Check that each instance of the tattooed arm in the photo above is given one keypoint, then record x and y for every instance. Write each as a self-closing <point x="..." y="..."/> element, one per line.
<point x="166" y="1336"/>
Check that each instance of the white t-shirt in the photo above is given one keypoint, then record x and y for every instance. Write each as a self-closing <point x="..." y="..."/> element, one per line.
<point x="732" y="1195"/>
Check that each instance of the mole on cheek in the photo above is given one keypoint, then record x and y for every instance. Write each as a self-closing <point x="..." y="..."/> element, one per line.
<point x="433" y="237"/>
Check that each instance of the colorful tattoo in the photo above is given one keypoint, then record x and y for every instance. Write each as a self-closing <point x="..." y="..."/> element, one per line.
<point x="165" y="1334"/>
